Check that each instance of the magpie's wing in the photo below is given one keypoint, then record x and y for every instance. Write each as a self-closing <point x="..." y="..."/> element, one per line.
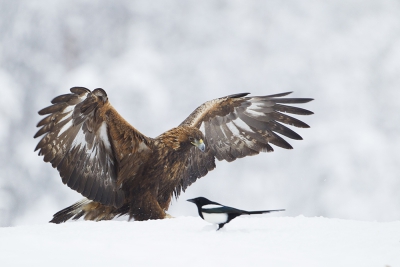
<point x="220" y="209"/>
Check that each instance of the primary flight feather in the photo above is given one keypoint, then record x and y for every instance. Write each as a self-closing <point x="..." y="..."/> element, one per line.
<point x="121" y="171"/>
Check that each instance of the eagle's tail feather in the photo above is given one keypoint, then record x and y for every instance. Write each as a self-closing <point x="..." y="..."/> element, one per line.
<point x="262" y="211"/>
<point x="74" y="211"/>
<point x="91" y="210"/>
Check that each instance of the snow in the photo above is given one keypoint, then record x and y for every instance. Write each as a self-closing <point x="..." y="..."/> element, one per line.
<point x="189" y="241"/>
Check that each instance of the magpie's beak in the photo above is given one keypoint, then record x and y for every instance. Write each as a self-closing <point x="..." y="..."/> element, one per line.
<point x="191" y="200"/>
<point x="199" y="144"/>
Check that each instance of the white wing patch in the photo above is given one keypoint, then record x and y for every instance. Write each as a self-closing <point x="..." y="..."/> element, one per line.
<point x="211" y="206"/>
<point x="65" y="127"/>
<point x="92" y="149"/>
<point x="233" y="128"/>
<point x="253" y="113"/>
<point x="242" y="125"/>
<point x="67" y="110"/>
<point x="104" y="136"/>
<point x="79" y="140"/>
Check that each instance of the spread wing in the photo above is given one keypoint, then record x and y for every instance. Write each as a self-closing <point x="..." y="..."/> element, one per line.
<point x="237" y="126"/>
<point x="88" y="142"/>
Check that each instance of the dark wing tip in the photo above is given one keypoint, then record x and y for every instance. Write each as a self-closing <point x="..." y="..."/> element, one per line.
<point x="43" y="111"/>
<point x="280" y="94"/>
<point x="238" y="95"/>
<point x="37" y="135"/>
<point x="304" y="125"/>
<point x="79" y="90"/>
<point x="306" y="100"/>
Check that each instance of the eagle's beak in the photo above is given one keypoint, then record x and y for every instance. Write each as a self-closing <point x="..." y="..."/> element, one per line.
<point x="200" y="144"/>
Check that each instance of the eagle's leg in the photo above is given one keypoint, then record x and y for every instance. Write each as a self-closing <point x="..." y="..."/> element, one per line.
<point x="147" y="208"/>
<point x="165" y="201"/>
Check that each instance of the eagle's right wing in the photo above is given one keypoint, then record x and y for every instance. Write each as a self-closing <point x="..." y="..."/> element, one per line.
<point x="89" y="144"/>
<point x="237" y="126"/>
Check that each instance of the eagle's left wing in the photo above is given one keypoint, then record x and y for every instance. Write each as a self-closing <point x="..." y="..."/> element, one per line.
<point x="91" y="145"/>
<point x="237" y="126"/>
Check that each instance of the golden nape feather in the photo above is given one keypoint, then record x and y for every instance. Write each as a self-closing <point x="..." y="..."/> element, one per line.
<point x="121" y="171"/>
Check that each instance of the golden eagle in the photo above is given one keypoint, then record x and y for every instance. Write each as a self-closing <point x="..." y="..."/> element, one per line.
<point x="121" y="171"/>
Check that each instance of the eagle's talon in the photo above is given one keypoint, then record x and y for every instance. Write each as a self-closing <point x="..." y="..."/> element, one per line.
<point x="168" y="216"/>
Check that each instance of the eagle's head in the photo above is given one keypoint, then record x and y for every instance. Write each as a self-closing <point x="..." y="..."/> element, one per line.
<point x="190" y="136"/>
<point x="198" y="142"/>
<point x="184" y="138"/>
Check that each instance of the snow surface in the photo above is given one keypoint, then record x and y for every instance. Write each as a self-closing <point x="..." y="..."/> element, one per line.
<point x="190" y="241"/>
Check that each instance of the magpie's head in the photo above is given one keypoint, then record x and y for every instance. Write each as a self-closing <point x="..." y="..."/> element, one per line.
<point x="200" y="201"/>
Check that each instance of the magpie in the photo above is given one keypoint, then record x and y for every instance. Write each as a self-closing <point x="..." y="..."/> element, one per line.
<point x="216" y="213"/>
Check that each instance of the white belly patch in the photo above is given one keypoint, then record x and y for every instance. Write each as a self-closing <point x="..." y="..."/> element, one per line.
<point x="216" y="218"/>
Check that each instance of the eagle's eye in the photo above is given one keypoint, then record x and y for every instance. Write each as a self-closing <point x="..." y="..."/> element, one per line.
<point x="191" y="139"/>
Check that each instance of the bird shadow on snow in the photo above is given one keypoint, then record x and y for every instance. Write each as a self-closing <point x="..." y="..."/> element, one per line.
<point x="232" y="229"/>
<point x="209" y="228"/>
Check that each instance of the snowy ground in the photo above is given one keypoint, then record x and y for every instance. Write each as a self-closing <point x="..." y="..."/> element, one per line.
<point x="189" y="241"/>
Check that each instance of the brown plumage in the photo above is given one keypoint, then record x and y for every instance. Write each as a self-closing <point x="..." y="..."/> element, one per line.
<point x="121" y="171"/>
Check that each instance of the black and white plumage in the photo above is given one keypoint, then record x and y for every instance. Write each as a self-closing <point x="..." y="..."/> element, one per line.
<point x="216" y="213"/>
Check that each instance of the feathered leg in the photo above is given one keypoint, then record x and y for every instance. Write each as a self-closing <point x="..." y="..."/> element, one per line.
<point x="146" y="208"/>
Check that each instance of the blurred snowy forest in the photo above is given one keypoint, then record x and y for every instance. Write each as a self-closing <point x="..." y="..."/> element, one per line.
<point x="158" y="60"/>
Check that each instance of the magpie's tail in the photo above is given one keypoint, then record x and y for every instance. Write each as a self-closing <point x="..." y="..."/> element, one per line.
<point x="261" y="211"/>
